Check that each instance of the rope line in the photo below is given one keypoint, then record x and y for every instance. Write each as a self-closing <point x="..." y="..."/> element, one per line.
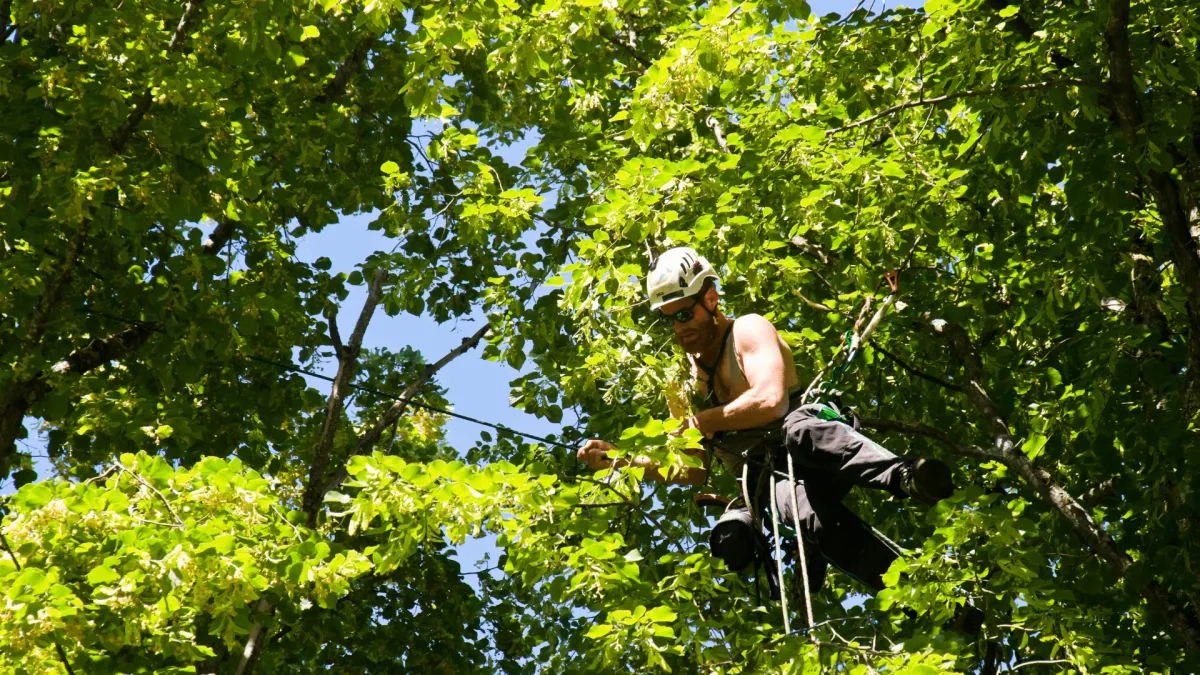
<point x="413" y="402"/>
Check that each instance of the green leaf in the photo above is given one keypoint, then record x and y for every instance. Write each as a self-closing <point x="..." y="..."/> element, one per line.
<point x="389" y="167"/>
<point x="599" y="630"/>
<point x="1011" y="10"/>
<point x="102" y="575"/>
<point x="661" y="614"/>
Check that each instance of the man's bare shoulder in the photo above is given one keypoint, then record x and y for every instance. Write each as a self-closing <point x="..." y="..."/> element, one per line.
<point x="753" y="330"/>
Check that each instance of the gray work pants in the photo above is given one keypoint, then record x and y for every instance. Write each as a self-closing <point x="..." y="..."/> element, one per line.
<point x="829" y="458"/>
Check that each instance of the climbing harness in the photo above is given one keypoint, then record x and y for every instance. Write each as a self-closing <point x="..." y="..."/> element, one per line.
<point x="825" y="384"/>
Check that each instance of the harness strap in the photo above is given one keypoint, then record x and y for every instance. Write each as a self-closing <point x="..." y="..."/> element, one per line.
<point x="711" y="373"/>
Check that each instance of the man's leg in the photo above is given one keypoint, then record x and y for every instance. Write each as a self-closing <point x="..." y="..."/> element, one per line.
<point x="833" y="532"/>
<point x="835" y="447"/>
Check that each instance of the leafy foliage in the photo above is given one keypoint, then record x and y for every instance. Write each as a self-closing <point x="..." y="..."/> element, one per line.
<point x="1031" y="171"/>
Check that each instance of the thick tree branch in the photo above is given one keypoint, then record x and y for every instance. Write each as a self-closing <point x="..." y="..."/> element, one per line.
<point x="1004" y="450"/>
<point x="253" y="641"/>
<point x="347" y="366"/>
<point x="346" y="70"/>
<point x="1051" y="84"/>
<point x="608" y="34"/>
<point x="218" y="238"/>
<point x="369" y="439"/>
<point x="1162" y="185"/>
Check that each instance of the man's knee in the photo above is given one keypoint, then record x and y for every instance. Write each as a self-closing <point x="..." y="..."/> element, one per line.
<point x="734" y="539"/>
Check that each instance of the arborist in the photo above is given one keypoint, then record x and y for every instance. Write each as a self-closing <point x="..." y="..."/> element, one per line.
<point x="760" y="429"/>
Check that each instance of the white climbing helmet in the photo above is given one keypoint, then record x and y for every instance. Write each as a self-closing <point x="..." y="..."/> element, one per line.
<point x="675" y="274"/>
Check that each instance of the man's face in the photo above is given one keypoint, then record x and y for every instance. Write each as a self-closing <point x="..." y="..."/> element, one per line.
<point x="697" y="334"/>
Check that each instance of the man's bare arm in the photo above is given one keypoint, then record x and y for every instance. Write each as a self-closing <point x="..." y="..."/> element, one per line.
<point x="766" y="400"/>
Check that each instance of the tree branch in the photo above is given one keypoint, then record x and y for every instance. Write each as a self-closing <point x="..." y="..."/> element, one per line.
<point x="1163" y="186"/>
<point x="346" y="69"/>
<point x="347" y="365"/>
<point x="253" y="641"/>
<point x="608" y="34"/>
<point x="218" y="238"/>
<point x="925" y="376"/>
<point x="15" y="400"/>
<point x="148" y="486"/>
<point x="1004" y="450"/>
<point x="1052" y="84"/>
<point x="369" y="439"/>
<point x="142" y="104"/>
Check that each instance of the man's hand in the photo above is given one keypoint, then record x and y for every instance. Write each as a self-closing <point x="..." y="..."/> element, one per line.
<point x="594" y="453"/>
<point x="692" y="422"/>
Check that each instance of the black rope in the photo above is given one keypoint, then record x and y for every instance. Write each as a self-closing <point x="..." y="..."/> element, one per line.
<point x="414" y="403"/>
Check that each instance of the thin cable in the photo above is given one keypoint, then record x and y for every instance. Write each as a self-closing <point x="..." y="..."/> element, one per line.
<point x="412" y="402"/>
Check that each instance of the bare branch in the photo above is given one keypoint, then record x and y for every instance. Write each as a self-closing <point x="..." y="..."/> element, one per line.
<point x="1051" y="84"/>
<point x="608" y="34"/>
<point x="335" y="337"/>
<point x="393" y="413"/>
<point x="219" y="237"/>
<point x="347" y="366"/>
<point x="153" y="489"/>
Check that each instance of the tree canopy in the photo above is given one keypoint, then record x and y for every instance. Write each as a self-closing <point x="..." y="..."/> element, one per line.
<point x="1032" y="170"/>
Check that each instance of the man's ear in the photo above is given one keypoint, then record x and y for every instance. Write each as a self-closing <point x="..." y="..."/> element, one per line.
<point x="712" y="300"/>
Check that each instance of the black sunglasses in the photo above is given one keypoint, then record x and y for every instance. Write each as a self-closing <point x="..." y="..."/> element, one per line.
<point x="684" y="315"/>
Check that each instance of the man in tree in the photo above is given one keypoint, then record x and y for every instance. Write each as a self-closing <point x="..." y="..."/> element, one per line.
<point x="743" y="370"/>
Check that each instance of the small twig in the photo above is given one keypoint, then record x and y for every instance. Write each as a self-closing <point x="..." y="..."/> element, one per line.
<point x="925" y="376"/>
<point x="150" y="487"/>
<point x="147" y="521"/>
<point x="275" y="507"/>
<point x="601" y="505"/>
<point x="637" y="507"/>
<point x="963" y="94"/>
<point x="1040" y="663"/>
